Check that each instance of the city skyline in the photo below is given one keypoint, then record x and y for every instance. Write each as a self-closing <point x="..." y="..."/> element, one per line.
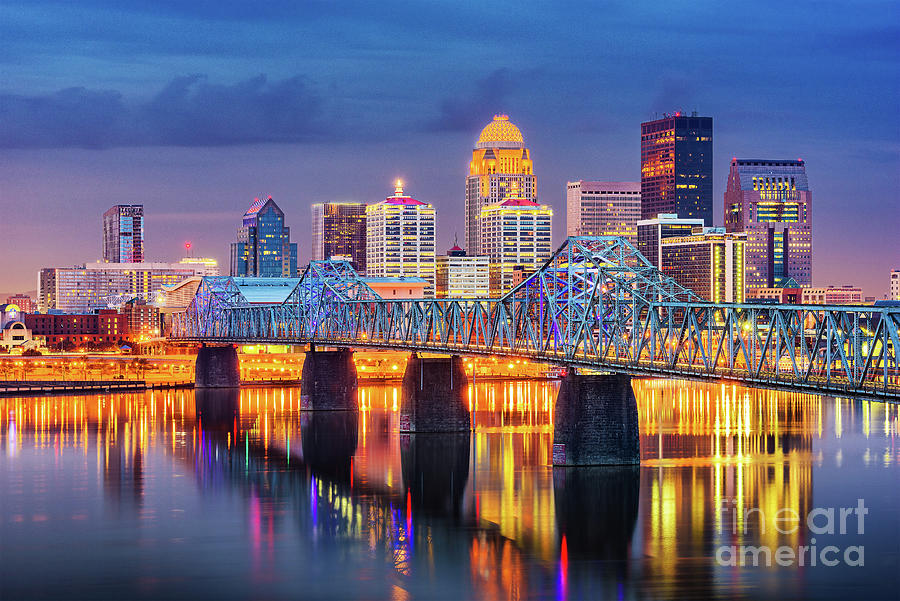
<point x="73" y="166"/>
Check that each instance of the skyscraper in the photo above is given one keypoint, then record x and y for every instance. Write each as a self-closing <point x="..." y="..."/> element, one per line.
<point x="264" y="247"/>
<point x="400" y="238"/>
<point x="515" y="233"/>
<point x="123" y="234"/>
<point x="677" y="168"/>
<point x="651" y="233"/>
<point x="460" y="276"/>
<point x="603" y="209"/>
<point x="339" y="230"/>
<point x="770" y="201"/>
<point x="501" y="168"/>
<point x="709" y="261"/>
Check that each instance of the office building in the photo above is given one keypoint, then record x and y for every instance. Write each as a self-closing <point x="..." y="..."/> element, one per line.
<point x="603" y="209"/>
<point x="515" y="232"/>
<point x="458" y="275"/>
<point x="400" y="238"/>
<point x="771" y="202"/>
<point x="123" y="234"/>
<point x="677" y="167"/>
<point x="103" y="327"/>
<point x="339" y="230"/>
<point x="141" y="318"/>
<point x="23" y="301"/>
<point x="501" y="168"/>
<point x="793" y="293"/>
<point x="264" y="247"/>
<point x="709" y="261"/>
<point x="651" y="233"/>
<point x="201" y="265"/>
<point x="895" y="284"/>
<point x="396" y="288"/>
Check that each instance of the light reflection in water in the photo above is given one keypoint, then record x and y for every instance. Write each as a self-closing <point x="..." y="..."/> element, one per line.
<point x="483" y="515"/>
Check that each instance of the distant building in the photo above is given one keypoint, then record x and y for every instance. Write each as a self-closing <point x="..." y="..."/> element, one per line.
<point x="22" y="301"/>
<point x="832" y="295"/>
<point x="501" y="168"/>
<point x="142" y="319"/>
<point x="790" y="293"/>
<point x="651" y="233"/>
<point x="339" y="230"/>
<point x="400" y="238"/>
<point x="398" y="287"/>
<point x="677" y="167"/>
<point x="770" y="200"/>
<point x="515" y="232"/>
<point x="460" y="276"/>
<point x="709" y="261"/>
<point x="201" y="265"/>
<point x="263" y="247"/>
<point x="123" y="234"/>
<point x="603" y="209"/>
<point x="106" y="326"/>
<point x="895" y="284"/>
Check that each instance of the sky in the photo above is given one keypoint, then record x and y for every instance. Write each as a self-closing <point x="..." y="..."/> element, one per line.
<point x="194" y="108"/>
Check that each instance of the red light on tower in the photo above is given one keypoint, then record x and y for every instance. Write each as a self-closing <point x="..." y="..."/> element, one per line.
<point x="187" y="245"/>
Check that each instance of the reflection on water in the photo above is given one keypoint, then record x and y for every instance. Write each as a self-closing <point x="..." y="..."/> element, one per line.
<point x="230" y="494"/>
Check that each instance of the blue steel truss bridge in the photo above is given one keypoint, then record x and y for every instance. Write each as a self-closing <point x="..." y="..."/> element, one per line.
<point x="597" y="304"/>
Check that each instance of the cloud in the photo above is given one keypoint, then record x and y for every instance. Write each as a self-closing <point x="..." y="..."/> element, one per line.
<point x="467" y="114"/>
<point x="188" y="111"/>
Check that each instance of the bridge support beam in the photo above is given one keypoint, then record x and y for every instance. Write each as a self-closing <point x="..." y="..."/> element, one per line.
<point x="432" y="396"/>
<point x="596" y="421"/>
<point x="217" y="367"/>
<point x="328" y="382"/>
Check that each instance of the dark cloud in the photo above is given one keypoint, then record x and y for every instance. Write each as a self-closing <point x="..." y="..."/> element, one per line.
<point x="467" y="114"/>
<point x="188" y="111"/>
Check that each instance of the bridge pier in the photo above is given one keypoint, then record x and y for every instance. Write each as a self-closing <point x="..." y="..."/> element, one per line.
<point x="217" y="367"/>
<point x="596" y="421"/>
<point x="431" y="399"/>
<point x="328" y="382"/>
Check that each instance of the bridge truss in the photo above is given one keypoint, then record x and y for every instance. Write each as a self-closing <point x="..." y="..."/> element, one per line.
<point x="597" y="303"/>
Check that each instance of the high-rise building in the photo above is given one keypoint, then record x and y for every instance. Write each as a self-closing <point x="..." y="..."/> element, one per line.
<point x="651" y="233"/>
<point x="515" y="232"/>
<point x="23" y="301"/>
<point x="458" y="275"/>
<point x="709" y="261"/>
<point x="339" y="230"/>
<point x="501" y="168"/>
<point x="677" y="167"/>
<point x="123" y="234"/>
<point x="264" y="247"/>
<point x="400" y="238"/>
<point x="770" y="200"/>
<point x="603" y="209"/>
<point x="895" y="284"/>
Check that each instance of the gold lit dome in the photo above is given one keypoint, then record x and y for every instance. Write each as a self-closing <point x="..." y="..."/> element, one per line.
<point x="500" y="133"/>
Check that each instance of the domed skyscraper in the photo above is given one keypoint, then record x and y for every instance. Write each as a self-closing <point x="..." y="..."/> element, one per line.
<point x="500" y="169"/>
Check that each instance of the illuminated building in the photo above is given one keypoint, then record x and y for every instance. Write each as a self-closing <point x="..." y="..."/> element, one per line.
<point x="23" y="301"/>
<point x="123" y="234"/>
<point x="400" y="238"/>
<point x="895" y="284"/>
<point x="398" y="287"/>
<point x="93" y="285"/>
<point x="790" y="292"/>
<point x="651" y="233"/>
<point x="677" y="168"/>
<point x="339" y="230"/>
<point x="264" y="247"/>
<point x="103" y="327"/>
<point x="515" y="232"/>
<point x="460" y="276"/>
<point x="709" y="261"/>
<point x="142" y="318"/>
<point x="501" y="168"/>
<point x="603" y="209"/>
<point x="770" y="200"/>
<point x="201" y="265"/>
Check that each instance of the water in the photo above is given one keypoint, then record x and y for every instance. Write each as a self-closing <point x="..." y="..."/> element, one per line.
<point x="164" y="495"/>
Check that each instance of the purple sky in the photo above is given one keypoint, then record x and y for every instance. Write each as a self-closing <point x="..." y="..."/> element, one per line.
<point x="192" y="109"/>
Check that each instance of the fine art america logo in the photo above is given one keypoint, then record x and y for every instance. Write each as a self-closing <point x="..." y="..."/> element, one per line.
<point x="820" y="521"/>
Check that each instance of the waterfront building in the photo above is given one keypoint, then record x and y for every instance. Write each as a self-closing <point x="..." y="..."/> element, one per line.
<point x="771" y="202"/>
<point x="400" y="238"/>
<point x="263" y="247"/>
<point x="651" y="233"/>
<point x="123" y="234"/>
<point x="515" y="232"/>
<point x="23" y="301"/>
<point x="339" y="230"/>
<point x="106" y="326"/>
<point x="501" y="168"/>
<point x="142" y="318"/>
<point x="603" y="209"/>
<point x="709" y="261"/>
<point x="895" y="284"/>
<point x="458" y="275"/>
<point x="677" y="167"/>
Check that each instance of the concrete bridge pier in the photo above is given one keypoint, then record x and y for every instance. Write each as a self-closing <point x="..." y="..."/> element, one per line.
<point x="328" y="382"/>
<point x="217" y="367"/>
<point x="432" y="398"/>
<point x="596" y="421"/>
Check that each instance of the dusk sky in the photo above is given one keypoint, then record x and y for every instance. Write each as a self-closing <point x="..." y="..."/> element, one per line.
<point x="194" y="108"/>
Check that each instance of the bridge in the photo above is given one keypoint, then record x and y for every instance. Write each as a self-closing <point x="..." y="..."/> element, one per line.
<point x="597" y="305"/>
